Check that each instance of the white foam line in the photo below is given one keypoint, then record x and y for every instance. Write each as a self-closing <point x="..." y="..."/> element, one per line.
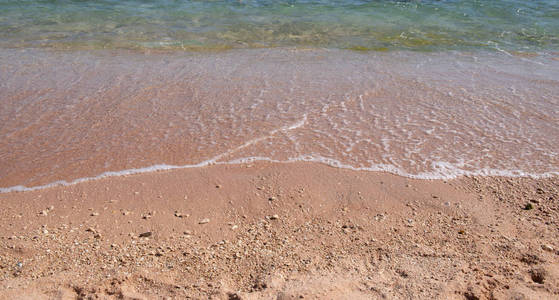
<point x="444" y="170"/>
<point x="258" y="140"/>
<point x="155" y="168"/>
<point x="447" y="170"/>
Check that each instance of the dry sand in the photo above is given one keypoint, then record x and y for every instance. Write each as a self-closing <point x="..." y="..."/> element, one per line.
<point x="282" y="231"/>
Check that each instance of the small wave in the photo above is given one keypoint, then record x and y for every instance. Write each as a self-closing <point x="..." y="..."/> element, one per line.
<point x="444" y="171"/>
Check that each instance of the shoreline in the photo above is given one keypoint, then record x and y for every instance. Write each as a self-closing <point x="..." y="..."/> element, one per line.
<point x="247" y="161"/>
<point x="273" y="230"/>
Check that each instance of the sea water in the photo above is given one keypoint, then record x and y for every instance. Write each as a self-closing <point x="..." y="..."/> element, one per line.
<point x="425" y="89"/>
<point x="382" y="25"/>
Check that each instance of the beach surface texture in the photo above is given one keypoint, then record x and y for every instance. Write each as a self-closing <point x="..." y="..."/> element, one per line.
<point x="282" y="231"/>
<point x="279" y="149"/>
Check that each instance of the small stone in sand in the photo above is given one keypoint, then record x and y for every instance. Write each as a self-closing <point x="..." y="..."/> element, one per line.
<point x="180" y="215"/>
<point x="94" y="214"/>
<point x="380" y="217"/>
<point x="274" y="217"/>
<point x="43" y="213"/>
<point x="547" y="248"/>
<point x="410" y="223"/>
<point x="145" y="234"/>
<point x="528" y="206"/>
<point x="538" y="275"/>
<point x="204" y="221"/>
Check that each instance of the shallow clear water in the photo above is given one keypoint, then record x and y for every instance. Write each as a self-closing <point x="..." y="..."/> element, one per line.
<point x="69" y="115"/>
<point x="511" y="25"/>
<point x="437" y="89"/>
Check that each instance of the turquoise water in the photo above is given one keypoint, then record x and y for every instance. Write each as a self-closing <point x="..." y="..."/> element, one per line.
<point x="511" y="25"/>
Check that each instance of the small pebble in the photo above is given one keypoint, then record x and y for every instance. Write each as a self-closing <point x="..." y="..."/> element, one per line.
<point x="547" y="248"/>
<point x="204" y="221"/>
<point x="145" y="234"/>
<point x="180" y="215"/>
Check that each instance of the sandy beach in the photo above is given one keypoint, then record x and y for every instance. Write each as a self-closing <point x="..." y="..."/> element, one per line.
<point x="264" y="149"/>
<point x="282" y="231"/>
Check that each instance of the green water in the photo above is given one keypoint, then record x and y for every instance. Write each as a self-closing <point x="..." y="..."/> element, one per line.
<point x="512" y="25"/>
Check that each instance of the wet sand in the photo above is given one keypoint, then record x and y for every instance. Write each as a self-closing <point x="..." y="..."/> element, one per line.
<point x="282" y="231"/>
